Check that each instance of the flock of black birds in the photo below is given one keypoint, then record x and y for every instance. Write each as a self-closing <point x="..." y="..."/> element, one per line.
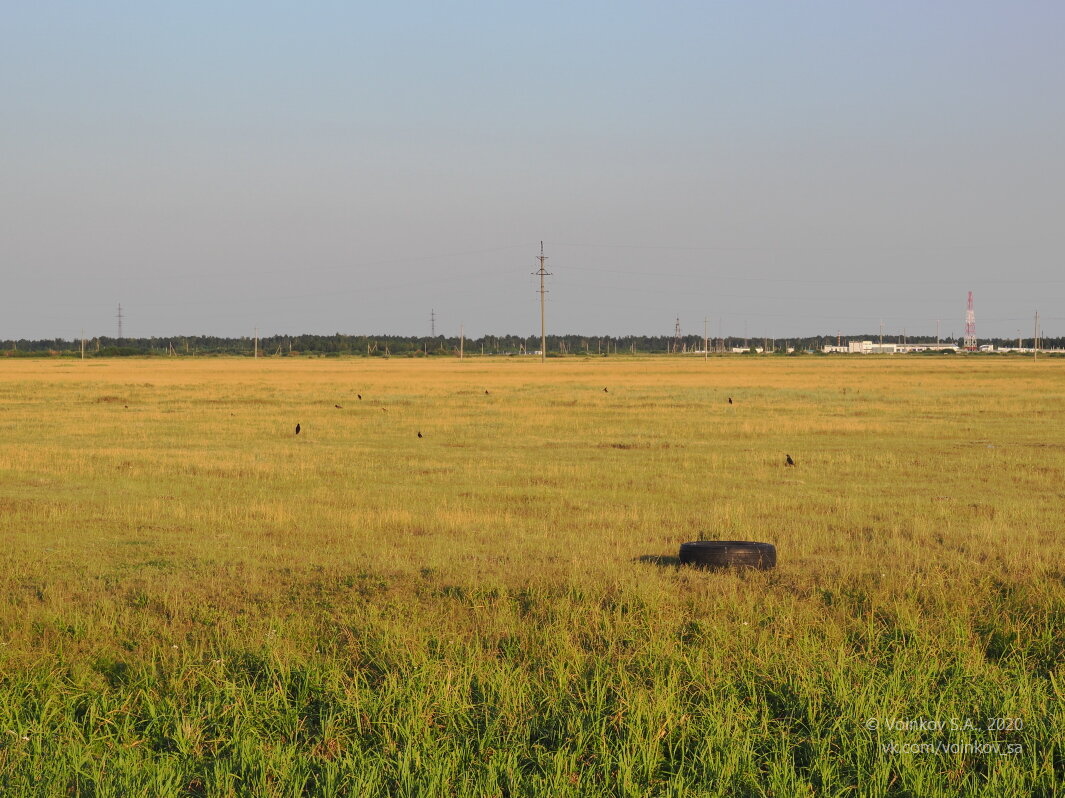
<point x="787" y="458"/>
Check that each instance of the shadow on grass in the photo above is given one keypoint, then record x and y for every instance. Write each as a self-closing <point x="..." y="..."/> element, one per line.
<point x="661" y="560"/>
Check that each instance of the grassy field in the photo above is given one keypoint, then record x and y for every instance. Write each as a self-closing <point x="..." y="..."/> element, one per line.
<point x="196" y="601"/>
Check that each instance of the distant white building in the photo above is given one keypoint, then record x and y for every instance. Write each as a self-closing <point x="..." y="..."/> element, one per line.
<point x="927" y="347"/>
<point x="876" y="348"/>
<point x="868" y="347"/>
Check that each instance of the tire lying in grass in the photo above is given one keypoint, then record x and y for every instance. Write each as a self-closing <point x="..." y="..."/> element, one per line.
<point x="729" y="553"/>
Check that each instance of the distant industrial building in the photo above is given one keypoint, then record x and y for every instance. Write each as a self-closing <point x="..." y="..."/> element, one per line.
<point x="874" y="348"/>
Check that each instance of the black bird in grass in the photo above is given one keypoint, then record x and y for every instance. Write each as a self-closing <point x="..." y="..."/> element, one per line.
<point x="605" y="391"/>
<point x="297" y="429"/>
<point x="486" y="393"/>
<point x="788" y="461"/>
<point x="338" y="407"/>
<point x="359" y="395"/>
<point x="419" y="434"/>
<point x="730" y="400"/>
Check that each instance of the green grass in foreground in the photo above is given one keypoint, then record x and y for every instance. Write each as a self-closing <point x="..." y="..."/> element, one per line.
<point x="197" y="602"/>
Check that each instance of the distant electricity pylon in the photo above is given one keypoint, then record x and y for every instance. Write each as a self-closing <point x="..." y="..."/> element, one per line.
<point x="676" y="336"/>
<point x="119" y="317"/>
<point x="432" y="323"/>
<point x="1035" y="336"/>
<point x="970" y="326"/>
<point x="542" y="272"/>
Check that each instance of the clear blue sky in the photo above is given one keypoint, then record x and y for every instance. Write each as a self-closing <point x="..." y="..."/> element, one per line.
<point x="323" y="167"/>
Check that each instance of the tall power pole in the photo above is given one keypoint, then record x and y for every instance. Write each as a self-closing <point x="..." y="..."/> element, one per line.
<point x="705" y="338"/>
<point x="970" y="326"/>
<point x="676" y="336"/>
<point x="542" y="272"/>
<point x="119" y="317"/>
<point x="1035" y="336"/>
<point x="432" y="323"/>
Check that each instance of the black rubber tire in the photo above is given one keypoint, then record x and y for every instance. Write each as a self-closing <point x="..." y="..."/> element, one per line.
<point x="726" y="553"/>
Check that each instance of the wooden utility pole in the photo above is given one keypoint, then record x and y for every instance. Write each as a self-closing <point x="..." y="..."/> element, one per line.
<point x="542" y="272"/>
<point x="256" y="342"/>
<point x="1035" y="336"/>
<point x="83" y="344"/>
<point x="462" y="342"/>
<point x="705" y="338"/>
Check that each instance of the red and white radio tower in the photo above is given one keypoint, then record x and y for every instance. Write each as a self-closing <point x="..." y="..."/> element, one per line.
<point x="970" y="326"/>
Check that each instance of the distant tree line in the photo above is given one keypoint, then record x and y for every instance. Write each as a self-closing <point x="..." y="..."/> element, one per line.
<point x="447" y="346"/>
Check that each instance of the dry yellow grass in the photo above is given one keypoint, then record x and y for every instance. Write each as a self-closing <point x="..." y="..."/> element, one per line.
<point x="161" y="518"/>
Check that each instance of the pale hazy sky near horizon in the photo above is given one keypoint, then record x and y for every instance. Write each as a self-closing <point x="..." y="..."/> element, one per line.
<point x="795" y="168"/>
